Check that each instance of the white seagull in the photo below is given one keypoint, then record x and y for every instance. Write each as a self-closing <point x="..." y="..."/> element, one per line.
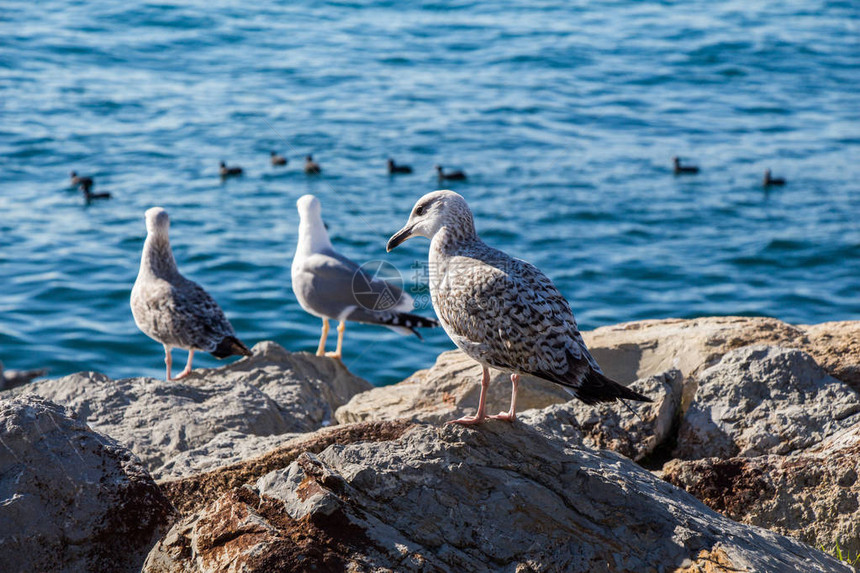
<point x="330" y="286"/>
<point x="502" y="311"/>
<point x="173" y="310"/>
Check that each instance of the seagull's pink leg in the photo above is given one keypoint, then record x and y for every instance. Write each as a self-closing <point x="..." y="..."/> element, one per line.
<point x="168" y="360"/>
<point x="511" y="415"/>
<point x="187" y="370"/>
<point x="480" y="416"/>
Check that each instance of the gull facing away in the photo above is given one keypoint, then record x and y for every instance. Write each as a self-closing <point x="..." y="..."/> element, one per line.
<point x="173" y="310"/>
<point x="330" y="286"/>
<point x="502" y="311"/>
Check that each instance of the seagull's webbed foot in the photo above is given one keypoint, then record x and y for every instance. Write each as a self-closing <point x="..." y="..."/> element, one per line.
<point x="506" y="416"/>
<point x="187" y="370"/>
<point x="335" y="355"/>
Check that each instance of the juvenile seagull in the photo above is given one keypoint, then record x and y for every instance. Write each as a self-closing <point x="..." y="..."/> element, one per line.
<point x="501" y="311"/>
<point x="173" y="310"/>
<point x="331" y="286"/>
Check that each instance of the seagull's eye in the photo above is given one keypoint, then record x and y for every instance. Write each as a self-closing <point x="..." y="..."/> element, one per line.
<point x="421" y="210"/>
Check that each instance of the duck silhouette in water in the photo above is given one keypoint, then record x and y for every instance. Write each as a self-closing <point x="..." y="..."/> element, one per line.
<point x="311" y="166"/>
<point x="770" y="181"/>
<point x="394" y="169"/>
<point x="79" y="181"/>
<point x="684" y="169"/>
<point x="225" y="171"/>
<point x="278" y="160"/>
<point x="450" y="176"/>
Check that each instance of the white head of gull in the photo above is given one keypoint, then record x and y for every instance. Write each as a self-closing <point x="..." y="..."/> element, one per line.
<point x="501" y="311"/>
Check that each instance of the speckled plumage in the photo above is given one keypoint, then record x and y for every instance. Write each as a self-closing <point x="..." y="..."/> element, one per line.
<point x="173" y="310"/>
<point x="502" y="311"/>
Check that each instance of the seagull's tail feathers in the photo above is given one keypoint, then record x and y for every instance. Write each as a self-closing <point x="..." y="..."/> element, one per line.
<point x="596" y="387"/>
<point x="406" y="323"/>
<point x="230" y="346"/>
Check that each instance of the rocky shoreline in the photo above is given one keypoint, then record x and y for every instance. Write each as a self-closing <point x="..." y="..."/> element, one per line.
<point x="747" y="460"/>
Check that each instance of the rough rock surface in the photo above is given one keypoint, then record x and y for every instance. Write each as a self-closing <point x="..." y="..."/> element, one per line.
<point x="12" y="378"/>
<point x="500" y="497"/>
<point x="224" y="449"/>
<point x="71" y="499"/>
<point x="836" y="347"/>
<point x="633" y="350"/>
<point x="813" y="495"/>
<point x="448" y="390"/>
<point x="190" y="493"/>
<point x="626" y="352"/>
<point x="634" y="432"/>
<point x="764" y="400"/>
<point x="270" y="393"/>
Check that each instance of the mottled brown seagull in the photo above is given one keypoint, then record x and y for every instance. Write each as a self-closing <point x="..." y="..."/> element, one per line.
<point x="173" y="310"/>
<point x="502" y="311"/>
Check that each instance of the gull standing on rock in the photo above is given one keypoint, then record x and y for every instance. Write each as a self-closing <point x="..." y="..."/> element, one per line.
<point x="502" y="311"/>
<point x="330" y="286"/>
<point x="173" y="310"/>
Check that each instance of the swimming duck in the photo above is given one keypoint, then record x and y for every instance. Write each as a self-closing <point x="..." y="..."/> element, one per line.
<point x="82" y="181"/>
<point x="679" y="169"/>
<point x="451" y="175"/>
<point x="225" y="171"/>
<point x="311" y="166"/>
<point x="91" y="196"/>
<point x="278" y="159"/>
<point x="768" y="180"/>
<point x="394" y="168"/>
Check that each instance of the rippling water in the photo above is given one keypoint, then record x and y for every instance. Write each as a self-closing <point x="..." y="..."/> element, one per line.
<point x="564" y="115"/>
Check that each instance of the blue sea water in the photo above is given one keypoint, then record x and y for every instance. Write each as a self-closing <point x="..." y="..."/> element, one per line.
<point x="565" y="115"/>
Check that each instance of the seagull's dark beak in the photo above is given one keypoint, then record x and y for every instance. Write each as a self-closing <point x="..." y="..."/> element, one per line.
<point x="398" y="238"/>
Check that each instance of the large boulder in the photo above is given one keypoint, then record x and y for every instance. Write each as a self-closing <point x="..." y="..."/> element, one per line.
<point x="764" y="400"/>
<point x="626" y="352"/>
<point x="271" y="393"/>
<point x="633" y="350"/>
<point x="836" y="346"/>
<point x="447" y="390"/>
<point x="634" y="429"/>
<point x="813" y="495"/>
<point x="499" y="497"/>
<point x="71" y="499"/>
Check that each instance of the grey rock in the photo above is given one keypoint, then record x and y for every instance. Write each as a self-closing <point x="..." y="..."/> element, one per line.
<point x="71" y="499"/>
<point x="813" y="495"/>
<point x="273" y="392"/>
<point x="635" y="432"/>
<point x="11" y="378"/>
<point x="448" y="390"/>
<point x="228" y="447"/>
<point x="764" y="400"/>
<point x="499" y="497"/>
